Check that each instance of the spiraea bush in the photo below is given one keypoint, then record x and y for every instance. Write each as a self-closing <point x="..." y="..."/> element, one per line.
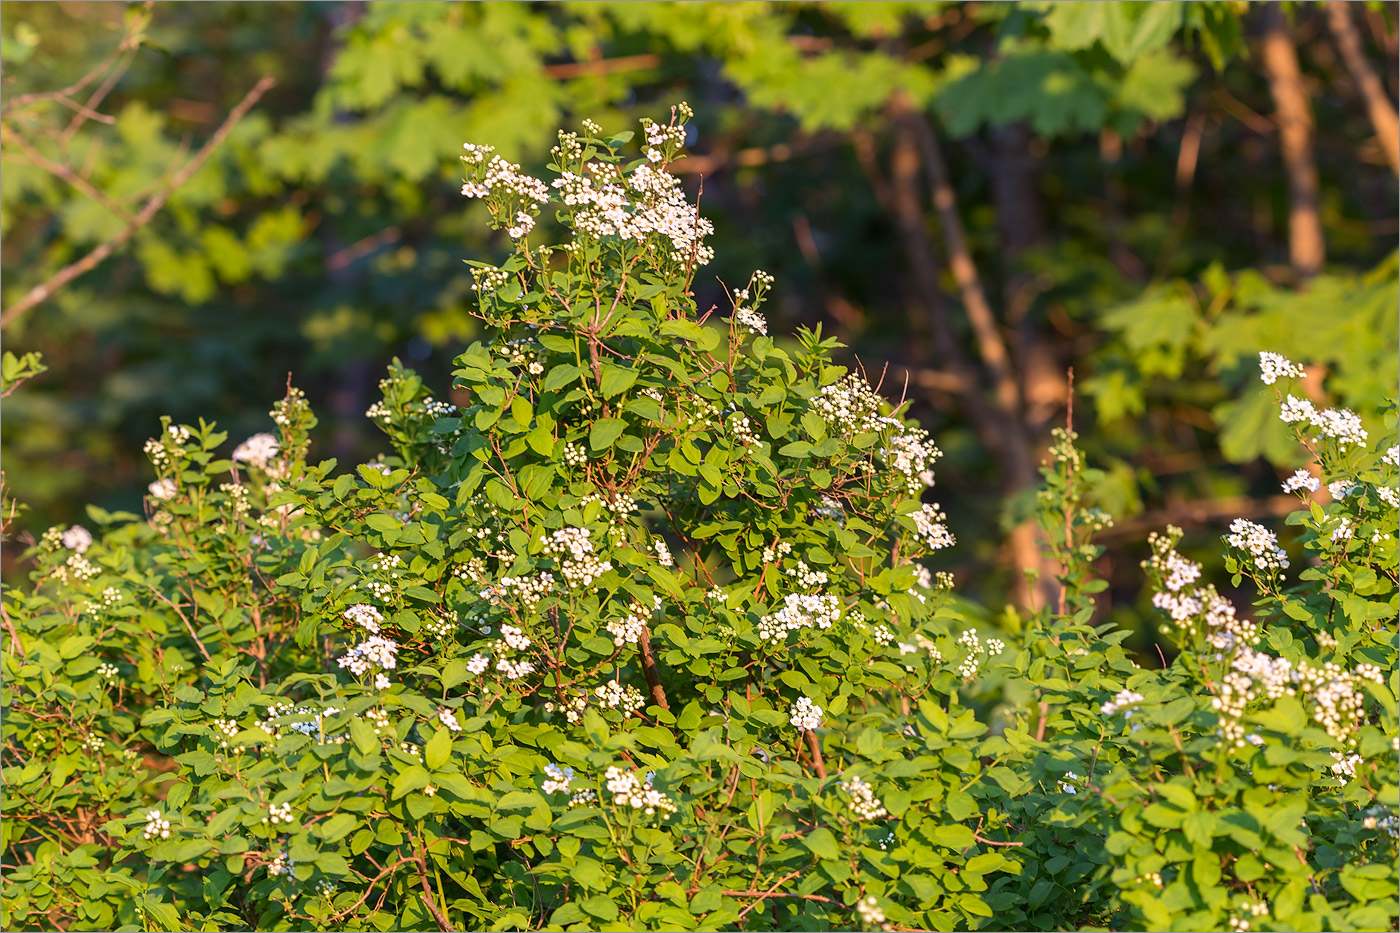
<point x="643" y="637"/>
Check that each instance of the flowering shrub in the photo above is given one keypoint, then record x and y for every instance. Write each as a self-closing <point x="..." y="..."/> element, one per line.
<point x="641" y="637"/>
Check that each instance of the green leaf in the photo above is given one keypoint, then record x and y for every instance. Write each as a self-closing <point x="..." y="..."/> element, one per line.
<point x="821" y="843"/>
<point x="413" y="778"/>
<point x="438" y="751"/>
<point x="617" y="379"/>
<point x="604" y="431"/>
<point x="336" y="827"/>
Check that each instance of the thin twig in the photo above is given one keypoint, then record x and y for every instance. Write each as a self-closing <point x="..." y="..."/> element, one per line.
<point x="70" y="272"/>
<point x="63" y="172"/>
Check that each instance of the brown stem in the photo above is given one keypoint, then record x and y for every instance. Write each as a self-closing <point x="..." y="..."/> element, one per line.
<point x="1368" y="83"/>
<point x="649" y="669"/>
<point x="1306" y="246"/>
<point x="815" y="747"/>
<point x="152" y="207"/>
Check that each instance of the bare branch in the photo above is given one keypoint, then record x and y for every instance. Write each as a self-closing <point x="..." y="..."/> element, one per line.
<point x="152" y="207"/>
<point x="58" y="170"/>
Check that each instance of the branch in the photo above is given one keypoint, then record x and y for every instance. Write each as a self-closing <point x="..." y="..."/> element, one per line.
<point x="658" y="694"/>
<point x="1378" y="105"/>
<point x="602" y="66"/>
<point x="60" y="171"/>
<point x="152" y="207"/>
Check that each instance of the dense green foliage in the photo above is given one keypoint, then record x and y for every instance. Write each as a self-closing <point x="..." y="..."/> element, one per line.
<point x="644" y="636"/>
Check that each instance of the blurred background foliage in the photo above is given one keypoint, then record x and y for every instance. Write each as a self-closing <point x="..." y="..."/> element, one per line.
<point x="975" y="197"/>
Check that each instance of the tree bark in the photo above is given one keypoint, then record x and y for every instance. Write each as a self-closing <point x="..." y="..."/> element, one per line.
<point x="1293" y="111"/>
<point x="1368" y="84"/>
<point x="999" y="422"/>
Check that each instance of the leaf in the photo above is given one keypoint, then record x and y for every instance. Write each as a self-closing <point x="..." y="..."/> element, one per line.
<point x="821" y="843"/>
<point x="413" y="778"/>
<point x="438" y="751"/>
<point x="559" y="376"/>
<point x="617" y="379"/>
<point x="604" y="431"/>
<point x="336" y="827"/>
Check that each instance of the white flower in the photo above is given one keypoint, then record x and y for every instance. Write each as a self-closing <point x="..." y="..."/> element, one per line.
<point x="257" y="450"/>
<point x="557" y="779"/>
<point x="364" y="615"/>
<point x="163" y="488"/>
<point x="869" y="910"/>
<point x="1343" y="531"/>
<point x="1300" y="480"/>
<point x="805" y="714"/>
<point x="1389" y="495"/>
<point x="1125" y="698"/>
<point x="751" y="319"/>
<point x="1297" y="409"/>
<point x="1343" y="488"/>
<point x="77" y="538"/>
<point x="1341" y="425"/>
<point x="663" y="553"/>
<point x="928" y="521"/>
<point x="1273" y="367"/>
<point x="1261" y="543"/>
<point x="449" y="719"/>
<point x="864" y="803"/>
<point x="156" y="828"/>
<point x="478" y="663"/>
<point x="1066" y="786"/>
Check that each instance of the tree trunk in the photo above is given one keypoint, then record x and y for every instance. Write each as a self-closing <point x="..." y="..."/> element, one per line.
<point x="1368" y="84"/>
<point x="1306" y="246"/>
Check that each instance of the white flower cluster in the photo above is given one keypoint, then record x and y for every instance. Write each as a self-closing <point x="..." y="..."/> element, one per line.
<point x="805" y="715"/>
<point x="929" y="523"/>
<point x="828" y="507"/>
<point x="739" y="425"/>
<point x="77" y="538"/>
<point x="806" y="577"/>
<point x="864" y="804"/>
<point x="662" y="140"/>
<point x="156" y="828"/>
<point x="1301" y="481"/>
<point x="615" y="696"/>
<point x="1340" y="424"/>
<point x="514" y="670"/>
<point x="257" y="450"/>
<point x="375" y="652"/>
<point x="750" y="318"/>
<point x="575" y="455"/>
<point x="163" y="488"/>
<point x="663" y="553"/>
<point x="1380" y="818"/>
<point x="1195" y="610"/>
<point x="775" y="550"/>
<point x="1260" y="542"/>
<point x="1344" y="766"/>
<point x="226" y="729"/>
<point x="800" y="611"/>
<point x="1389" y="495"/>
<point x="627" y="630"/>
<point x="578" y="564"/>
<point x="108" y="671"/>
<point x="527" y="591"/>
<point x="911" y="453"/>
<point x="1342" y="488"/>
<point x="1066" y="784"/>
<point x="628" y="791"/>
<point x="1122" y="703"/>
<point x="1273" y="366"/>
<point x="1343" y="531"/>
<point x="449" y="719"/>
<point x="852" y="407"/>
<point x="557" y="779"/>
<point x="505" y="181"/>
<point x="869" y="910"/>
<point x="647" y="203"/>
<point x="281" y="864"/>
<point x="279" y="813"/>
<point x="365" y="616"/>
<point x="972" y="662"/>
